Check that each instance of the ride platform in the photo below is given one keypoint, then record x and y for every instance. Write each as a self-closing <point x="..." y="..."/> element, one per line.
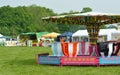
<point x="78" y="60"/>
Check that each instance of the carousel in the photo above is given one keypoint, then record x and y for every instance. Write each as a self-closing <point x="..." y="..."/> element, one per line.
<point x="84" y="53"/>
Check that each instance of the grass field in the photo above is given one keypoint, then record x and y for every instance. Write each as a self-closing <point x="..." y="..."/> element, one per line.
<point x="22" y="61"/>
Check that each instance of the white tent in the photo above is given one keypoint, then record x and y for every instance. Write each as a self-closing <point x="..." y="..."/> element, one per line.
<point x="111" y="34"/>
<point x="115" y="35"/>
<point x="1" y="39"/>
<point x="1" y="35"/>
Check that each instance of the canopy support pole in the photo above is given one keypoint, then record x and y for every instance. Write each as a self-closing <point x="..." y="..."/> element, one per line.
<point x="93" y="31"/>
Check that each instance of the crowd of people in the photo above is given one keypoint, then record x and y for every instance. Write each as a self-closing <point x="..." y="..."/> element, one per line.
<point x="45" y="43"/>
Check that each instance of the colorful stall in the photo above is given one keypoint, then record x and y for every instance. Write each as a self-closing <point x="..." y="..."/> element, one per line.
<point x="31" y="38"/>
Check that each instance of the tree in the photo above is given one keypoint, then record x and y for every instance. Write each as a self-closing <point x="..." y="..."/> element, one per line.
<point x="86" y="9"/>
<point x="103" y="27"/>
<point x="112" y="26"/>
<point x="16" y="20"/>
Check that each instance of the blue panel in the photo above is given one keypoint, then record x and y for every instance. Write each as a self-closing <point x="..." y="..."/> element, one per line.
<point x="49" y="60"/>
<point x="114" y="60"/>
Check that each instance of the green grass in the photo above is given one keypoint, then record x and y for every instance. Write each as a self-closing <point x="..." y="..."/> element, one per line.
<point x="22" y="61"/>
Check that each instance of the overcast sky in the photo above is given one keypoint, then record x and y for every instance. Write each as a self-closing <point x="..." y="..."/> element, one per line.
<point x="60" y="6"/>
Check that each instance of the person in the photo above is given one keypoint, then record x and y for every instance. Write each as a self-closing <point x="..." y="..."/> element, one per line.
<point x="110" y="48"/>
<point x="67" y="39"/>
<point x="118" y="41"/>
<point x="116" y="47"/>
<point x="61" y="39"/>
<point x="103" y="48"/>
<point x="40" y="42"/>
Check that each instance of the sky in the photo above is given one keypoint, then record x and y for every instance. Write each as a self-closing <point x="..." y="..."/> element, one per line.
<point x="61" y="6"/>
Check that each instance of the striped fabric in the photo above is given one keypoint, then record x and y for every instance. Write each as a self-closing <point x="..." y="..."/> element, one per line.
<point x="110" y="46"/>
<point x="93" y="49"/>
<point x="56" y="49"/>
<point x="70" y="49"/>
<point x="83" y="48"/>
<point x="112" y="49"/>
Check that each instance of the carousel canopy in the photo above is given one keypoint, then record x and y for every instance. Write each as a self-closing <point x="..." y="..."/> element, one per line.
<point x="66" y="34"/>
<point x="86" y="18"/>
<point x="92" y="21"/>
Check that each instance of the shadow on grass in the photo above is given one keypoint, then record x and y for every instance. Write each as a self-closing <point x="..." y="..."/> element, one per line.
<point x="23" y="62"/>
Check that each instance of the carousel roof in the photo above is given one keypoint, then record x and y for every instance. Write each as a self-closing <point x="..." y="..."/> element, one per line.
<point x="84" y="14"/>
<point x="95" y="14"/>
<point x="86" y="18"/>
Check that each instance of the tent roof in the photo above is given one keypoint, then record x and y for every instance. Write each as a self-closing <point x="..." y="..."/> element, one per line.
<point x="38" y="34"/>
<point x="66" y="34"/>
<point x="102" y="32"/>
<point x="4" y="37"/>
<point x="116" y="32"/>
<point x="1" y="35"/>
<point x="51" y="35"/>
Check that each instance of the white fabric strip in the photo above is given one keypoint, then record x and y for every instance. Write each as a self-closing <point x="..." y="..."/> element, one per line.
<point x="110" y="46"/>
<point x="70" y="49"/>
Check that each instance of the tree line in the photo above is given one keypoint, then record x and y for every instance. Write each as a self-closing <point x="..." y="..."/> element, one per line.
<point x="21" y="19"/>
